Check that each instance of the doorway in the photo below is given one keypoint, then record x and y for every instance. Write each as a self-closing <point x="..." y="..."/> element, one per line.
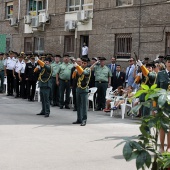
<point x="83" y="39"/>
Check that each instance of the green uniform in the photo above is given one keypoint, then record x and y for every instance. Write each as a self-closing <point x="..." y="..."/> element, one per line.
<point x="102" y="75"/>
<point x="45" y="85"/>
<point x="2" y="75"/>
<point x="55" y="88"/>
<point x="64" y="73"/>
<point x="148" y="80"/>
<point x="82" y="95"/>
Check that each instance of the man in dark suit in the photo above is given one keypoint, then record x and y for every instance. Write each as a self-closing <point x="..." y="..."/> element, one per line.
<point x="31" y="78"/>
<point x="113" y="64"/>
<point x="118" y="78"/>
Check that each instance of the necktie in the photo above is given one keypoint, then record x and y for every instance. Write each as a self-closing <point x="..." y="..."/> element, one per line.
<point x="113" y="68"/>
<point x="128" y="73"/>
<point x="117" y="75"/>
<point x="169" y="74"/>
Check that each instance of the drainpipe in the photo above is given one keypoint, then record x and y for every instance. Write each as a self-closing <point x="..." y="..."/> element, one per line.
<point x="47" y="8"/>
<point x="139" y="28"/>
<point x="19" y="8"/>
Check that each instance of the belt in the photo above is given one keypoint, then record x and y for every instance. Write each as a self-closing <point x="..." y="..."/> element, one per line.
<point x="65" y="80"/>
<point x="101" y="81"/>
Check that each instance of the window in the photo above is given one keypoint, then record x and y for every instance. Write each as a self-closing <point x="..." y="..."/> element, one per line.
<point x="9" y="9"/>
<point x="28" y="45"/>
<point x="69" y="44"/>
<point x="123" y="46"/>
<point x="124" y="2"/>
<point x="77" y="5"/>
<point x="39" y="45"/>
<point x="167" y="44"/>
<point x="34" y="6"/>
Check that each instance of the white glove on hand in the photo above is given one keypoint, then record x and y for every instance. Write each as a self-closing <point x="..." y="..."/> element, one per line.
<point x="75" y="64"/>
<point x="139" y="63"/>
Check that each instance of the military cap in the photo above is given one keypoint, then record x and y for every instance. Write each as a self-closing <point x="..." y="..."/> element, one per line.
<point x="102" y="58"/>
<point x="66" y="55"/>
<point x="151" y="64"/>
<point x="94" y="58"/>
<point x="57" y="56"/>
<point x="167" y="57"/>
<point x="48" y="59"/>
<point x="20" y="56"/>
<point x="85" y="59"/>
<point x="1" y="53"/>
<point x="26" y="58"/>
<point x="32" y="56"/>
<point x="146" y="58"/>
<point x="161" y="56"/>
<point x="10" y="52"/>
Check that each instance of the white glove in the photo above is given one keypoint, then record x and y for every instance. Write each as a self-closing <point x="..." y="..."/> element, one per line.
<point x="139" y="63"/>
<point x="75" y="64"/>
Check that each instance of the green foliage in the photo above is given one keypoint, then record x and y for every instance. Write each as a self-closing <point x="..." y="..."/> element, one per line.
<point x="145" y="145"/>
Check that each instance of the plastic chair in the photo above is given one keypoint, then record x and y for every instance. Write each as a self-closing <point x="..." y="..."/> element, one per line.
<point x="109" y="93"/>
<point x="91" y="95"/>
<point x="71" y="96"/>
<point x="5" y="84"/>
<point x="37" y="92"/>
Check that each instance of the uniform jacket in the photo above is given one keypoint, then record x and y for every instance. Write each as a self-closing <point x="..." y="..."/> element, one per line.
<point x="110" y="66"/>
<point x="45" y="74"/>
<point x="130" y="75"/>
<point x="117" y="81"/>
<point x="29" y="72"/>
<point x="163" y="81"/>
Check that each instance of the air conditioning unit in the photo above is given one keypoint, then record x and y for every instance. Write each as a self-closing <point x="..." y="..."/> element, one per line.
<point x="13" y="22"/>
<point x="43" y="17"/>
<point x="83" y="16"/>
<point x="27" y="19"/>
<point x="35" y="22"/>
<point x="70" y="25"/>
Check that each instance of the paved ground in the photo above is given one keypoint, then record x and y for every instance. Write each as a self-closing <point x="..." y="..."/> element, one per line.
<point x="30" y="142"/>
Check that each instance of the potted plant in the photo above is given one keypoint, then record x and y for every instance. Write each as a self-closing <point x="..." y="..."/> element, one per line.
<point x="144" y="147"/>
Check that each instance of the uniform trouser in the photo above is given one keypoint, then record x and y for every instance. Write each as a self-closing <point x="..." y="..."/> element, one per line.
<point x="23" y="86"/>
<point x="74" y="97"/>
<point x="10" y="82"/>
<point x="2" y="80"/>
<point x="17" y="84"/>
<point x="55" y="92"/>
<point x="30" y="84"/>
<point x="101" y="94"/>
<point x="64" y="86"/>
<point x="145" y="111"/>
<point x="82" y="104"/>
<point x="45" y="99"/>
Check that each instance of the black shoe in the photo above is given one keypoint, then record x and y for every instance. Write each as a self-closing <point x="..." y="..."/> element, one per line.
<point x="98" y="109"/>
<point x="46" y="115"/>
<point x="61" y="107"/>
<point x="83" y="123"/>
<point x="75" y="109"/>
<point x="67" y="107"/>
<point x="8" y="95"/>
<point x="41" y="114"/>
<point x="77" y="122"/>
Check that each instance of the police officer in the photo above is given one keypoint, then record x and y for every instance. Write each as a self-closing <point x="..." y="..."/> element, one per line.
<point x="2" y="72"/>
<point x="55" y="88"/>
<point x="31" y="78"/>
<point x="63" y="80"/>
<point x="9" y="66"/>
<point x="102" y="82"/>
<point x="84" y="74"/>
<point x="16" y="75"/>
<point x="163" y="81"/>
<point x="45" y="85"/>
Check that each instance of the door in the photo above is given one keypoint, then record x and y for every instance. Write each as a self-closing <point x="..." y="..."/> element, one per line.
<point x="83" y="39"/>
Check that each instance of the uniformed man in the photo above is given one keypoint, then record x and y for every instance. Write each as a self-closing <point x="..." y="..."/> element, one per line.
<point x="148" y="78"/>
<point x="16" y="70"/>
<point x="73" y="82"/>
<point x="55" y="88"/>
<point x="84" y="74"/>
<point x="31" y="78"/>
<point x="163" y="81"/>
<point x="45" y="85"/>
<point x="9" y="65"/>
<point x="103" y="76"/>
<point x="63" y="81"/>
<point x="2" y="72"/>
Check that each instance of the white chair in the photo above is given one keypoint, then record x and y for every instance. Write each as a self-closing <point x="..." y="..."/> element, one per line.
<point x="5" y="84"/>
<point x="109" y="93"/>
<point x="37" y="92"/>
<point x="91" y="95"/>
<point x="71" y="96"/>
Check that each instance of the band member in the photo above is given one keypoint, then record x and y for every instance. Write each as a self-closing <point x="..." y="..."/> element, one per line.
<point x="84" y="74"/>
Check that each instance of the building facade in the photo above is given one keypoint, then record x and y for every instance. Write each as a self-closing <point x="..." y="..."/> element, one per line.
<point x="110" y="27"/>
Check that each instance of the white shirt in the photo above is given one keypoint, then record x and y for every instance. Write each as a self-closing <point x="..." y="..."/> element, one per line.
<point x="10" y="63"/>
<point x="84" y="50"/>
<point x="18" y="66"/>
<point x="23" y="67"/>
